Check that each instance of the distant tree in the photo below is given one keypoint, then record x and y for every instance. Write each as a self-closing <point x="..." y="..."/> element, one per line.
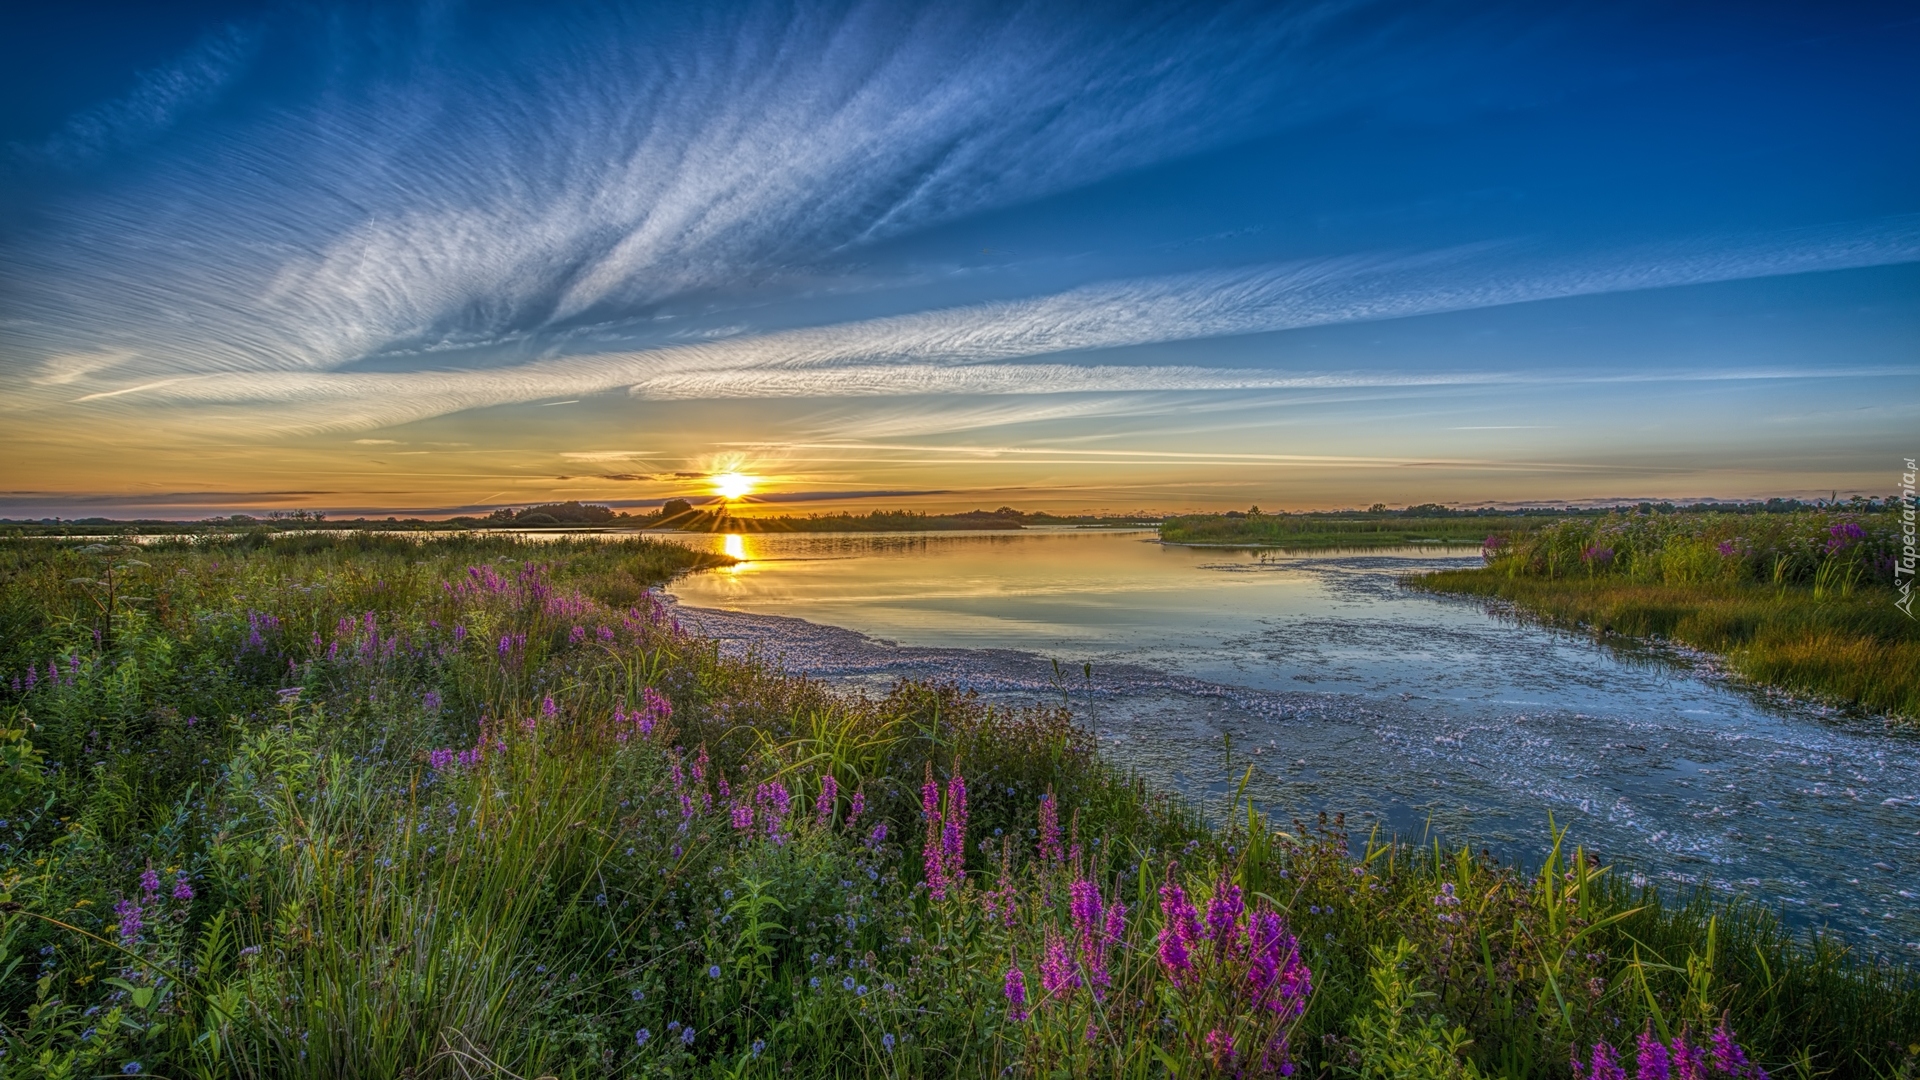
<point x="674" y="508"/>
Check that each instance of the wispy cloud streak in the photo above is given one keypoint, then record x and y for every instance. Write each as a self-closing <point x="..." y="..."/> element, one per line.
<point x="448" y="186"/>
<point x="974" y="350"/>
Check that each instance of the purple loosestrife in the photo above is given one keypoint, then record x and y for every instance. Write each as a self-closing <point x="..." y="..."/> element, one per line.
<point x="827" y="801"/>
<point x="932" y="858"/>
<point x="655" y="710"/>
<point x="1224" y="909"/>
<point x="1016" y="991"/>
<point x="1057" y="976"/>
<point x="1602" y="1065"/>
<point x="548" y="710"/>
<point x="1178" y="929"/>
<point x="1085" y="910"/>
<point x="774" y="801"/>
<point x="953" y="831"/>
<point x="1728" y="1058"/>
<point x="1689" y="1061"/>
<point x="182" y="888"/>
<point x="149" y="882"/>
<point x="857" y="807"/>
<point x="1219" y="1046"/>
<point x="1050" y="849"/>
<point x="129" y="914"/>
<point x="1651" y="1062"/>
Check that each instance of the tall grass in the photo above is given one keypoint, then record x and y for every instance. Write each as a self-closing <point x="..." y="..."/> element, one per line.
<point x="1803" y="602"/>
<point x="477" y="807"/>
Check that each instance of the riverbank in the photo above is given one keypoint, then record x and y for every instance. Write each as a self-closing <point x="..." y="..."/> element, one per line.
<point x="1802" y="602"/>
<point x="473" y="795"/>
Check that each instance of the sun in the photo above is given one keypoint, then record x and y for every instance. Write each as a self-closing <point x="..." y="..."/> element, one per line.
<point x="732" y="485"/>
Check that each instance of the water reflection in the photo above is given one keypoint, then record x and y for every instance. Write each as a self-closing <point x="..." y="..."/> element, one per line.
<point x="735" y="546"/>
<point x="1347" y="692"/>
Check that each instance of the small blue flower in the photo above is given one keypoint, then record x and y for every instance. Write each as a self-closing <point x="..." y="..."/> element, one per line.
<point x="815" y="958"/>
<point x="686" y="1037"/>
<point x="814" y="982"/>
<point x="673" y="1026"/>
<point x="639" y="995"/>
<point x="130" y="1068"/>
<point x="847" y="983"/>
<point x="759" y="1046"/>
<point x="887" y="1041"/>
<point x="640" y="1037"/>
<point x="713" y="972"/>
<point x="727" y="895"/>
<point x="860" y="991"/>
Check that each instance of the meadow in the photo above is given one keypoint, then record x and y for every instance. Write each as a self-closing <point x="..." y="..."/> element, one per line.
<point x="362" y="805"/>
<point x="1803" y="602"/>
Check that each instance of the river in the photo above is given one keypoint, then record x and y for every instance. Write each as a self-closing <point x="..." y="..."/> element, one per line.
<point x="1348" y="692"/>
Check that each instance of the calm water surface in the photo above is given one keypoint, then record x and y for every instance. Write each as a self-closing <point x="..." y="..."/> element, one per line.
<point x="1347" y="692"/>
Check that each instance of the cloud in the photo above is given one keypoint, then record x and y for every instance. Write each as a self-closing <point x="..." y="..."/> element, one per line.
<point x="976" y="350"/>
<point x="454" y="183"/>
<point x="158" y="100"/>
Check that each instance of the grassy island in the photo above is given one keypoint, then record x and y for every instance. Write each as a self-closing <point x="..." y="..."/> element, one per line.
<point x="379" y="806"/>
<point x="1802" y="601"/>
<point x="1379" y="527"/>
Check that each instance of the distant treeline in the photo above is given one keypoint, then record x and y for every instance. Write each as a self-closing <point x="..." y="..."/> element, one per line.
<point x="674" y="514"/>
<point x="1431" y="523"/>
<point x="1378" y="525"/>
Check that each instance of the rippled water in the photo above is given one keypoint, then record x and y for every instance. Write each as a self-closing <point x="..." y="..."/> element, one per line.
<point x="1348" y="692"/>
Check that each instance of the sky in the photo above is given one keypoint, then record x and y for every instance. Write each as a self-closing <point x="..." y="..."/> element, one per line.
<point x="438" y="258"/>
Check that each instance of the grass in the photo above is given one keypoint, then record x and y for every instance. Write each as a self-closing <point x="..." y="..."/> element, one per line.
<point x="456" y="807"/>
<point x="1797" y="602"/>
<point x="1325" y="531"/>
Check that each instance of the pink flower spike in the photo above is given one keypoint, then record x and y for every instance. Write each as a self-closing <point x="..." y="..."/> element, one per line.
<point x="1016" y="991"/>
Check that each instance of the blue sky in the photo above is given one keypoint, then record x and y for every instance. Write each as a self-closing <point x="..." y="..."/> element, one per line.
<point x="1075" y="256"/>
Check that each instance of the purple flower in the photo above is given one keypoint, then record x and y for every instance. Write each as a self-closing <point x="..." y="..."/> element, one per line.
<point x="828" y="799"/>
<point x="1651" y="1063"/>
<point x="1603" y="1065"/>
<point x="182" y="888"/>
<point x="1689" y="1061"/>
<point x="1085" y="910"/>
<point x="129" y="914"/>
<point x="431" y="702"/>
<point x="1599" y="556"/>
<point x="149" y="881"/>
<point x="1050" y="849"/>
<point x="576" y="635"/>
<point x="1223" y="916"/>
<point x="878" y="836"/>
<point x="1057" y="976"/>
<point x="1179" y="927"/>
<point x="1016" y="991"/>
<point x="547" y="708"/>
<point x="1728" y="1058"/>
<point x="857" y="807"/>
<point x="459" y="634"/>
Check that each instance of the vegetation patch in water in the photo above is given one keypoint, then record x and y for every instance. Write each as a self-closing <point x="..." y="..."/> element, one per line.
<point x="366" y="806"/>
<point x="1804" y="602"/>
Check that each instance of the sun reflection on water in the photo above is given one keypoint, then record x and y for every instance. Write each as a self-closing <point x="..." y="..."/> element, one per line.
<point x="735" y="546"/>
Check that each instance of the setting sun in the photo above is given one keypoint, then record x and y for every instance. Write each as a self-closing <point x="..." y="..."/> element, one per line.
<point x="732" y="485"/>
